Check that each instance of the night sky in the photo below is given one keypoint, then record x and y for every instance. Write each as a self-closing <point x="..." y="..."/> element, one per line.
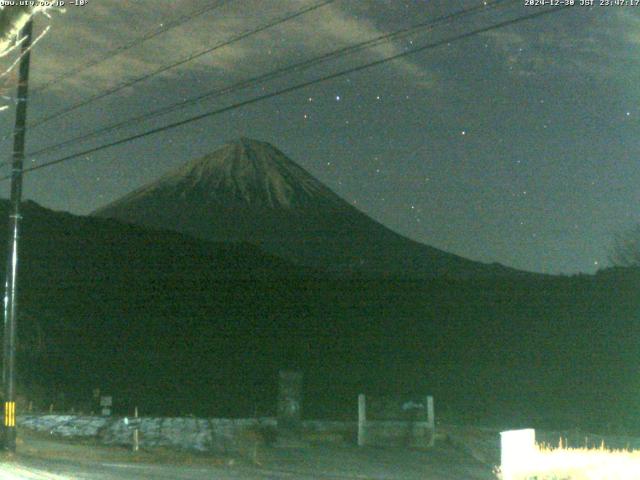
<point x="519" y="145"/>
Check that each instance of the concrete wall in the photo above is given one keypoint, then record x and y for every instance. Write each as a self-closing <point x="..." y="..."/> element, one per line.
<point x="199" y="434"/>
<point x="213" y="434"/>
<point x="384" y="433"/>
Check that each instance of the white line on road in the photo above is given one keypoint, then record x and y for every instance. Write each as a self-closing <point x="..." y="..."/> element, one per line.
<point x="13" y="472"/>
<point x="124" y="465"/>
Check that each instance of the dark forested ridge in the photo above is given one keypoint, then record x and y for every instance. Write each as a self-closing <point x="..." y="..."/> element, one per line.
<point x="178" y="326"/>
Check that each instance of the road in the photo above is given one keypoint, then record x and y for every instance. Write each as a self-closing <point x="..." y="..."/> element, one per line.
<point x="29" y="470"/>
<point x="42" y="458"/>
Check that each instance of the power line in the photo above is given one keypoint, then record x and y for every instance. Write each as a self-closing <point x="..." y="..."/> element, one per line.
<point x="296" y="87"/>
<point x="182" y="61"/>
<point x="134" y="81"/>
<point x="276" y="74"/>
<point x="164" y="27"/>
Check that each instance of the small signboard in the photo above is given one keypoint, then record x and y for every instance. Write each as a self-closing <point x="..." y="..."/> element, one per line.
<point x="132" y="423"/>
<point x="106" y="401"/>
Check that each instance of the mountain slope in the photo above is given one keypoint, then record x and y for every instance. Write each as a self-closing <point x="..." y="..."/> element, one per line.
<point x="250" y="191"/>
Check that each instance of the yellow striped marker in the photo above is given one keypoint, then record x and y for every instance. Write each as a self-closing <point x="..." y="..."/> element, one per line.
<point x="9" y="414"/>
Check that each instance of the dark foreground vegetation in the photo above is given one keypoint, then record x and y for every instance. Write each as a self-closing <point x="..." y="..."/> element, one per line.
<point x="180" y="326"/>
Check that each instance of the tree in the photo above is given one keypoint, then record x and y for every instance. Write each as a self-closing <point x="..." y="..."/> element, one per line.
<point x="12" y="19"/>
<point x="626" y="248"/>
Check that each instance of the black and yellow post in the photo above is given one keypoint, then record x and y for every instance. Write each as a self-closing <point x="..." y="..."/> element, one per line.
<point x="11" y="293"/>
<point x="9" y="414"/>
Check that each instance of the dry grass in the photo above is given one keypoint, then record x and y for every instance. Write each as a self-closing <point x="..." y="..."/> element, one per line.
<point x="578" y="464"/>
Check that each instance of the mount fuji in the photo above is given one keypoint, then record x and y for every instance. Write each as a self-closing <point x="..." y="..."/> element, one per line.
<point x="249" y="191"/>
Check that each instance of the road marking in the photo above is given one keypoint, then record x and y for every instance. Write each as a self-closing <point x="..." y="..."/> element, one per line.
<point x="9" y="414"/>
<point x="125" y="465"/>
<point x="14" y="472"/>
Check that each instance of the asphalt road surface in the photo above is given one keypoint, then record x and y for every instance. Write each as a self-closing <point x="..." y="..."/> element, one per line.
<point x="41" y="458"/>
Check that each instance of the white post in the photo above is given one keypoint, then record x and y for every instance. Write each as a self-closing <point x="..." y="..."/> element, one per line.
<point x="136" y="438"/>
<point x="517" y="452"/>
<point x="431" y="420"/>
<point x="362" y="419"/>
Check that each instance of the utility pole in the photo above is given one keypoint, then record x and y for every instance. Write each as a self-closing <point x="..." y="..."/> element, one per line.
<point x="11" y="285"/>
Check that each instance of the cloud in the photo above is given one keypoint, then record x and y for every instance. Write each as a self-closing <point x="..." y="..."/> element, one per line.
<point x="594" y="44"/>
<point x="629" y="23"/>
<point x="343" y="28"/>
<point x="85" y="33"/>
